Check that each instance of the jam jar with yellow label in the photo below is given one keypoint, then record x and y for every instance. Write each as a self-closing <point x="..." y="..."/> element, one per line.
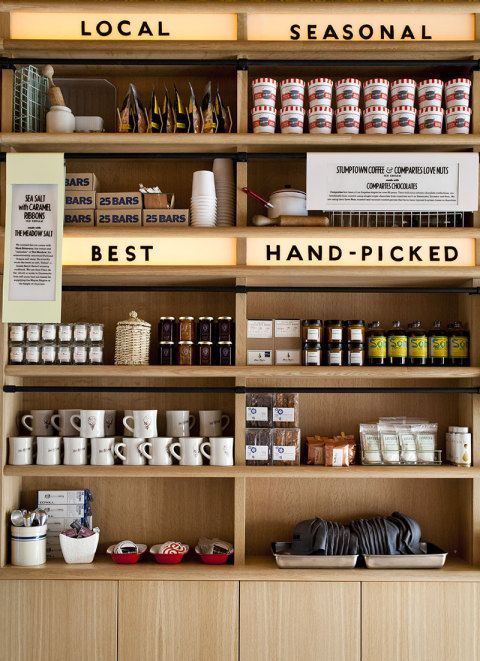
<point x="417" y="344"/>
<point x="376" y="344"/>
<point x="458" y="344"/>
<point x="397" y="345"/>
<point x="437" y="345"/>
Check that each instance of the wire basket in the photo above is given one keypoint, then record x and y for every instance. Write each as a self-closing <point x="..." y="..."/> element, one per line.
<point x="132" y="341"/>
<point x="29" y="100"/>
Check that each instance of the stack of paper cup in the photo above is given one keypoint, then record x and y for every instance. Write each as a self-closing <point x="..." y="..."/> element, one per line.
<point x="203" y="205"/>
<point x="225" y="190"/>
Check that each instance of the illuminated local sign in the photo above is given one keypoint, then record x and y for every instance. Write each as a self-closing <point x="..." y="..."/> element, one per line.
<point x="120" y="26"/>
<point x="361" y="27"/>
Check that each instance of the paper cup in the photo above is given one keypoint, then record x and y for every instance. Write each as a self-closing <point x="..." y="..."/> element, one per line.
<point x="347" y="92"/>
<point x="375" y="119"/>
<point x="348" y="119"/>
<point x="375" y="92"/>
<point x="458" y="119"/>
<point x="203" y="183"/>
<point x="430" y="120"/>
<point x="402" y="92"/>
<point x="264" y="119"/>
<point x="457" y="92"/>
<point x="264" y="92"/>
<point x="292" y="92"/>
<point x="320" y="119"/>
<point x="291" y="119"/>
<point x="320" y="92"/>
<point x="430" y="93"/>
<point x="404" y="119"/>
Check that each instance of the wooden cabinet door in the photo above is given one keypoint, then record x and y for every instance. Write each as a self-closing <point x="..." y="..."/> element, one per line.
<point x="282" y="621"/>
<point x="178" y="621"/>
<point x="58" y="620"/>
<point x="421" y="621"/>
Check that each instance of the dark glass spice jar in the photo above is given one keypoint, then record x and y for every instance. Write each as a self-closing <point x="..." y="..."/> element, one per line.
<point x="397" y="345"/>
<point x="205" y="329"/>
<point x="225" y="329"/>
<point x="437" y="345"/>
<point x="417" y="344"/>
<point x="166" y="351"/>
<point x="166" y="329"/>
<point x="458" y="345"/>
<point x="205" y="353"/>
<point x="224" y="353"/>
<point x="376" y="344"/>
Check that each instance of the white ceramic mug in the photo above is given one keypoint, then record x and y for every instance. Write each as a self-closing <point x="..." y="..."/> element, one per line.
<point x="91" y="423"/>
<point x="62" y="422"/>
<point x="74" y="451"/>
<point x="20" y="450"/>
<point x="132" y="456"/>
<point x="48" y="450"/>
<point x="190" y="454"/>
<point x="213" y="423"/>
<point x="101" y="451"/>
<point x="179" y="423"/>
<point x="159" y="454"/>
<point x="144" y="423"/>
<point x="39" y="422"/>
<point x="221" y="450"/>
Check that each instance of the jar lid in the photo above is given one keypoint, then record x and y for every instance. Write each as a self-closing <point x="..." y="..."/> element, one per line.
<point x="133" y="320"/>
<point x="327" y="109"/>
<point x="404" y="81"/>
<point x="372" y="109"/>
<point x="226" y="342"/>
<point x="202" y="343"/>
<point x="186" y="318"/>
<point x="205" y="318"/>
<point x="167" y="318"/>
<point x="343" y="81"/>
<point x="315" y="81"/>
<point x="185" y="342"/>
<point x="312" y="322"/>
<point x="333" y="322"/>
<point x="376" y="81"/>
<point x="430" y="81"/>
<point x="459" y="109"/>
<point x="456" y="81"/>
<point x="224" y="318"/>
<point x="295" y="81"/>
<point x="404" y="109"/>
<point x="257" y="81"/>
<point x="289" y="191"/>
<point x="356" y="322"/>
<point x="299" y="109"/>
<point x="354" y="109"/>
<point x="168" y="342"/>
<point x="431" y="109"/>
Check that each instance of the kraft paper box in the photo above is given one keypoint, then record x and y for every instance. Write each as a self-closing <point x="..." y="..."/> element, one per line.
<point x="117" y="217"/>
<point x="165" y="217"/>
<point x="81" y="181"/>
<point x="287" y="341"/>
<point x="76" y="497"/>
<point x="80" y="199"/>
<point x="129" y="200"/>
<point x="260" y="342"/>
<point x="79" y="217"/>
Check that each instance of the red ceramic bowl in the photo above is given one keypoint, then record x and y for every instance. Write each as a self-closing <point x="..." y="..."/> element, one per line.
<point x="168" y="558"/>
<point x="214" y="558"/>
<point x="126" y="558"/>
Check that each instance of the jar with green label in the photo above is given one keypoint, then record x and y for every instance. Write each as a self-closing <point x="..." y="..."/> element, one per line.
<point x="376" y="344"/>
<point x="397" y="345"/>
<point x="417" y="344"/>
<point x="458" y="345"/>
<point x="437" y="345"/>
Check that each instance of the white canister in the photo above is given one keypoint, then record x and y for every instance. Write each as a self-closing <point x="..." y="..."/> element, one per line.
<point x="288" y="202"/>
<point x="347" y="92"/>
<point x="264" y="119"/>
<point x="292" y="119"/>
<point x="348" y="119"/>
<point x="430" y="120"/>
<point x="430" y="93"/>
<point x="402" y="92"/>
<point x="375" y="92"/>
<point x="320" y="119"/>
<point x="264" y="92"/>
<point x="458" y="119"/>
<point x="375" y="119"/>
<point x="60" y="119"/>
<point x="320" y="92"/>
<point x="457" y="92"/>
<point x="29" y="545"/>
<point x="404" y="119"/>
<point x="292" y="92"/>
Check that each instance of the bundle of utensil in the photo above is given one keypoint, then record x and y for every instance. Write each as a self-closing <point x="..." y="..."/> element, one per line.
<point x="28" y="518"/>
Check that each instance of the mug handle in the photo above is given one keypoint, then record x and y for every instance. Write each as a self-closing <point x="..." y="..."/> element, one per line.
<point x="191" y="421"/>
<point x="126" y="425"/>
<point x="202" y="450"/>
<point x="73" y="423"/>
<point x="24" y="421"/>
<point x="227" y="421"/>
<point x="53" y="421"/>
<point x="171" y="449"/>
<point x="117" y="451"/>
<point x="142" y="449"/>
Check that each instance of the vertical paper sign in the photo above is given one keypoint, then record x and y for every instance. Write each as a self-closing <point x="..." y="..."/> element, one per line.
<point x="32" y="285"/>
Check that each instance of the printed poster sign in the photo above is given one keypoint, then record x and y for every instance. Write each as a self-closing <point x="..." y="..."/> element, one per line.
<point x="35" y="194"/>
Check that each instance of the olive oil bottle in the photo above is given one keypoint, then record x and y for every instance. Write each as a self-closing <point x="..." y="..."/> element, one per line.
<point x="458" y="345"/>
<point x="396" y="345"/>
<point x="417" y="344"/>
<point x="376" y="344"/>
<point x="437" y="345"/>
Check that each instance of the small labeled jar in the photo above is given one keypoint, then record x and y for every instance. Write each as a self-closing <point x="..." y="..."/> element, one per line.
<point x="49" y="332"/>
<point x="16" y="354"/>
<point x="375" y="92"/>
<point x="402" y="93"/>
<point x="80" y="332"/>
<point x="375" y="120"/>
<point x="264" y="92"/>
<point x="333" y="330"/>
<point x="95" y="354"/>
<point x="225" y="329"/>
<point x="404" y="119"/>
<point x="205" y="329"/>
<point x="458" y="119"/>
<point x="334" y="353"/>
<point x="320" y="119"/>
<point x="225" y="353"/>
<point x="205" y="353"/>
<point x="376" y="344"/>
<point x="312" y="354"/>
<point x="64" y="354"/>
<point x="32" y="354"/>
<point x="60" y="119"/>
<point x="292" y="119"/>
<point x="95" y="332"/>
<point x="312" y="330"/>
<point x="80" y="354"/>
<point x="16" y="332"/>
<point x="166" y="352"/>
<point x="185" y="352"/>
<point x="48" y="354"/>
<point x="457" y="92"/>
<point x="430" y="93"/>
<point x="356" y="330"/>
<point x="347" y="119"/>
<point x="186" y="329"/>
<point x="347" y="92"/>
<point x="33" y="332"/>
<point x="65" y="332"/>
<point x="430" y="120"/>
<point x="320" y="92"/>
<point x="264" y="119"/>
<point x="356" y="353"/>
<point x="166" y="329"/>
<point x="292" y="92"/>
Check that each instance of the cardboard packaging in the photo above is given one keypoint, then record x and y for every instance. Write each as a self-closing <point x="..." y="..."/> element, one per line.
<point x="79" y="217"/>
<point x="80" y="200"/>
<point x="76" y="497"/>
<point x="122" y="200"/>
<point x="81" y="181"/>
<point x="125" y="217"/>
<point x="165" y="217"/>
<point x="288" y="341"/>
<point x="260" y="342"/>
<point x="65" y="511"/>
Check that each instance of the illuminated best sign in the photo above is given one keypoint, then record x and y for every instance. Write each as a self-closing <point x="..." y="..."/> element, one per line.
<point x="403" y="252"/>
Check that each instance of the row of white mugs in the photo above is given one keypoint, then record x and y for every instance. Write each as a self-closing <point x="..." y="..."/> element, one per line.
<point x="97" y="423"/>
<point x="158" y="451"/>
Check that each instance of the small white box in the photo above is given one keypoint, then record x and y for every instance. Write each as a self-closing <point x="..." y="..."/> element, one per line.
<point x="59" y="524"/>
<point x="65" y="511"/>
<point x="61" y="497"/>
<point x="261" y="357"/>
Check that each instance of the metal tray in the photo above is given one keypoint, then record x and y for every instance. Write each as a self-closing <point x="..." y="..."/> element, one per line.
<point x="431" y="557"/>
<point x="285" y="560"/>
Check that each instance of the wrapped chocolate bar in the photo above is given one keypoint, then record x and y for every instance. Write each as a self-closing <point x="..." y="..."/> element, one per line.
<point x="259" y="408"/>
<point x="194" y="114"/>
<point x="286" y="447"/>
<point x="229" y="121"/>
<point x="180" y="115"/>
<point x="132" y="117"/>
<point x="220" y="113"/>
<point x="258" y="447"/>
<point x="155" y="123"/>
<point x="285" y="409"/>
<point x="208" y="111"/>
<point x="167" y="114"/>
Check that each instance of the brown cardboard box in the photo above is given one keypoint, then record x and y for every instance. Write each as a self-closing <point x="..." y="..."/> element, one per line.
<point x="118" y="217"/>
<point x="123" y="200"/>
<point x="260" y="342"/>
<point x="165" y="217"/>
<point x="82" y="181"/>
<point x="79" y="199"/>
<point x="288" y="341"/>
<point x="79" y="217"/>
